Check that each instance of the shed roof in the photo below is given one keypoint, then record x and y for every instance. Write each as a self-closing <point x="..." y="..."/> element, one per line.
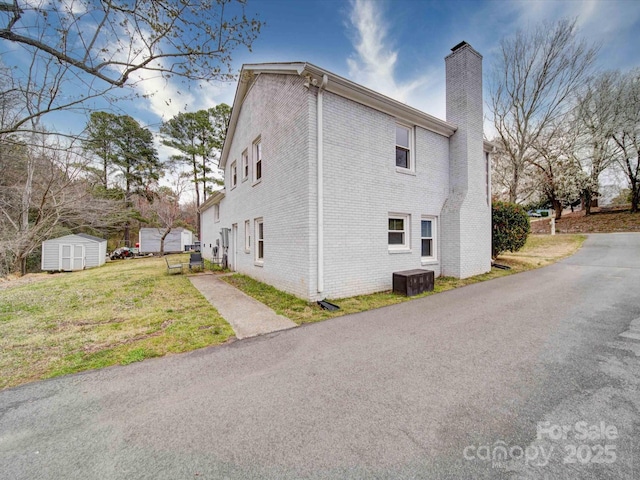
<point x="81" y="235"/>
<point x="91" y="237"/>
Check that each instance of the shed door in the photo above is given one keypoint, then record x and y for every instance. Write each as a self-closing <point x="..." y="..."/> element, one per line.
<point x="71" y="257"/>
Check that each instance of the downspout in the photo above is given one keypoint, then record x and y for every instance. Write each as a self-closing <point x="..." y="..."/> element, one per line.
<point x="320" y="174"/>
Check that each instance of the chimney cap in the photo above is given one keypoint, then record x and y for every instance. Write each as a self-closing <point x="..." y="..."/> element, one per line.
<point x="460" y="45"/>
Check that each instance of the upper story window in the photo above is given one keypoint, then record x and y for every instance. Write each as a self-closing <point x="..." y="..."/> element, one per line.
<point x="245" y="165"/>
<point x="216" y="212"/>
<point x="234" y="175"/>
<point x="403" y="147"/>
<point x="257" y="160"/>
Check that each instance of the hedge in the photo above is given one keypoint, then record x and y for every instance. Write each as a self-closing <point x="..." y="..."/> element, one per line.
<point x="510" y="227"/>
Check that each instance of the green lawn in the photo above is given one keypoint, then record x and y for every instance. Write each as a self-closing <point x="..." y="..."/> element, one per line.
<point x="129" y="310"/>
<point x="123" y="312"/>
<point x="539" y="251"/>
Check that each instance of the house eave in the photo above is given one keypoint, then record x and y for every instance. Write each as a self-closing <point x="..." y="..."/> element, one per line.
<point x="336" y="84"/>
<point x="365" y="96"/>
<point x="214" y="199"/>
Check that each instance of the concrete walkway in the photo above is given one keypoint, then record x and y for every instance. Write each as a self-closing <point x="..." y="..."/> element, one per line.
<point x="247" y="316"/>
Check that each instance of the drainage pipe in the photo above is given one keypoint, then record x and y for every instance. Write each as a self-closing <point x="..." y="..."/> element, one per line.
<point x="320" y="173"/>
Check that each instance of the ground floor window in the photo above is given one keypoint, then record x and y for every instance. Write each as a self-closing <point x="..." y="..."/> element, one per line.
<point x="398" y="232"/>
<point x="247" y="237"/>
<point x="259" y="235"/>
<point x="428" y="238"/>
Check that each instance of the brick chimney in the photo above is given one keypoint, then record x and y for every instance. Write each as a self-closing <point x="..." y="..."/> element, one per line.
<point x="466" y="215"/>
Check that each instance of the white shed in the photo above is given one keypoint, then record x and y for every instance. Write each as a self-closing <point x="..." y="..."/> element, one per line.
<point x="175" y="241"/>
<point x="73" y="252"/>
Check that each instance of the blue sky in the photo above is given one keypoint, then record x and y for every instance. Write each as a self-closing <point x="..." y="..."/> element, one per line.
<point x="398" y="47"/>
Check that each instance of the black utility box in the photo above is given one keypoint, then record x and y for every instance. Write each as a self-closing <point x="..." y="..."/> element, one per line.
<point x="413" y="282"/>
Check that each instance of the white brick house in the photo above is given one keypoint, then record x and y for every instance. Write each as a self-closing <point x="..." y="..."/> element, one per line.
<point x="331" y="187"/>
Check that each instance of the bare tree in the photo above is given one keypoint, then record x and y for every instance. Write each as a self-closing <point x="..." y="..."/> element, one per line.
<point x="534" y="78"/>
<point x="594" y="117"/>
<point x="168" y="212"/>
<point x="85" y="49"/>
<point x="626" y="132"/>
<point x="558" y="174"/>
<point x="502" y="176"/>
<point x="42" y="192"/>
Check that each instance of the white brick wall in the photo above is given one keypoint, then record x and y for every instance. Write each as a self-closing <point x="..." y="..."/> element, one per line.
<point x="361" y="187"/>
<point x="276" y="109"/>
<point x="466" y="217"/>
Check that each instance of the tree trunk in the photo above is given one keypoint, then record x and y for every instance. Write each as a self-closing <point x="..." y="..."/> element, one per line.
<point x="164" y="235"/>
<point x="128" y="204"/>
<point x="586" y="202"/>
<point x="557" y="206"/>
<point x="635" y="196"/>
<point x="513" y="188"/>
<point x="196" y="181"/>
<point x="20" y="265"/>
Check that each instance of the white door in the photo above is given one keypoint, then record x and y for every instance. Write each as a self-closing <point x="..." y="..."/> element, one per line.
<point x="71" y="257"/>
<point x="78" y="257"/>
<point x="234" y="247"/>
<point x="66" y="259"/>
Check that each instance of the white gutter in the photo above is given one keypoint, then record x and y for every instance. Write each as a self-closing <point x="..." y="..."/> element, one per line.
<point x="320" y="172"/>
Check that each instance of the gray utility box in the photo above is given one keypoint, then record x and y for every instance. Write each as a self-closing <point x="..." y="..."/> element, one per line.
<point x="413" y="282"/>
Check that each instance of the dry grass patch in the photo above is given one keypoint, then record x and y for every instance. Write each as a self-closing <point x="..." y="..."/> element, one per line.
<point x="541" y="250"/>
<point x="120" y="313"/>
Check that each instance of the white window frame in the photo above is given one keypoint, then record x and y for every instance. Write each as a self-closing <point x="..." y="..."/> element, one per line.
<point x="245" y="165"/>
<point x="247" y="236"/>
<point x="487" y="168"/>
<point x="411" y="149"/>
<point x="258" y="161"/>
<point x="406" y="245"/>
<point x="216" y="212"/>
<point x="434" y="240"/>
<point x="259" y="260"/>
<point x="234" y="174"/>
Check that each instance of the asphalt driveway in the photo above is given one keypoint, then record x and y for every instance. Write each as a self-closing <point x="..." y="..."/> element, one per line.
<point x="531" y="365"/>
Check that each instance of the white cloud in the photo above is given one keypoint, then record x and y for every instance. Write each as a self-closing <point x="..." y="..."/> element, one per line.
<point x="611" y="24"/>
<point x="374" y="62"/>
<point x="73" y="7"/>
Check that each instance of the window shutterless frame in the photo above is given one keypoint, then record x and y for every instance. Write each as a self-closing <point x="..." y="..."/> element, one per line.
<point x="257" y="160"/>
<point x="234" y="174"/>
<point x="247" y="236"/>
<point x="428" y="239"/>
<point x="398" y="232"/>
<point x="245" y="165"/>
<point x="259" y="236"/>
<point x="404" y="142"/>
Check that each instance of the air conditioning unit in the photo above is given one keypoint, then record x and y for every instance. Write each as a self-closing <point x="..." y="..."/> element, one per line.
<point x="413" y="282"/>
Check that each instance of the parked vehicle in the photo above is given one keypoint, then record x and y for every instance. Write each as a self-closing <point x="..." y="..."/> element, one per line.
<point x="122" y="252"/>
